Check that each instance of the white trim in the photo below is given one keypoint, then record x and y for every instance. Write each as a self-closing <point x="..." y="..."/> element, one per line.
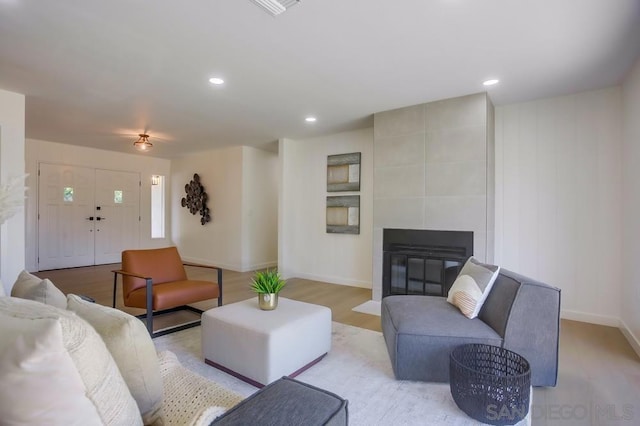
<point x="330" y="279"/>
<point x="590" y="318"/>
<point x="631" y="338"/>
<point x="372" y="307"/>
<point x="231" y="266"/>
<point x="208" y="262"/>
<point x="263" y="265"/>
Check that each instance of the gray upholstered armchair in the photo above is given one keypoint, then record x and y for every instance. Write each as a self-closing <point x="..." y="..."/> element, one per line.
<point x="520" y="314"/>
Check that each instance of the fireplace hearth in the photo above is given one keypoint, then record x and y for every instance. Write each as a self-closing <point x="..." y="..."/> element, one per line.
<point x="423" y="262"/>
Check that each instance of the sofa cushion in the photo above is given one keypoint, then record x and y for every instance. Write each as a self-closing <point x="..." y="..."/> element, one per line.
<point x="471" y="287"/>
<point x="288" y="402"/>
<point x="104" y="384"/>
<point x="40" y="383"/>
<point x="133" y="351"/>
<point x="30" y="287"/>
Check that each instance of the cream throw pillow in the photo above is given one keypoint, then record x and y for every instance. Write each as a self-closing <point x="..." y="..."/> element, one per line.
<point x="3" y="292"/>
<point x="102" y="380"/>
<point x="133" y="351"/>
<point x="472" y="286"/>
<point x="39" y="382"/>
<point x="30" y="287"/>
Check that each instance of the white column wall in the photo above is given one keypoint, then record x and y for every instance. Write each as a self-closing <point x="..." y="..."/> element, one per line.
<point x="259" y="209"/>
<point x="558" y="198"/>
<point x="12" y="163"/>
<point x="305" y="249"/>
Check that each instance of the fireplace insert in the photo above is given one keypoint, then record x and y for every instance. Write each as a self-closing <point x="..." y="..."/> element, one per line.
<point x="423" y="262"/>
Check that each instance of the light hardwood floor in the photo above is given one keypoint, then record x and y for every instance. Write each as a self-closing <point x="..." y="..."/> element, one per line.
<point x="598" y="384"/>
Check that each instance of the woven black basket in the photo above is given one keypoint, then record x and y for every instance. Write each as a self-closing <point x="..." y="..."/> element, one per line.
<point x="490" y="384"/>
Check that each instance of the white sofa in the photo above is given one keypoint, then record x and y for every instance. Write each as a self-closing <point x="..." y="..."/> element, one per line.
<point x="90" y="364"/>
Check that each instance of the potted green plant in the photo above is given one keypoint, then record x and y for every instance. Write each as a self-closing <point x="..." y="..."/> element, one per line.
<point x="267" y="284"/>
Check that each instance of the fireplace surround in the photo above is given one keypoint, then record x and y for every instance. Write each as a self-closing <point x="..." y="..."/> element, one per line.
<point x="423" y="262"/>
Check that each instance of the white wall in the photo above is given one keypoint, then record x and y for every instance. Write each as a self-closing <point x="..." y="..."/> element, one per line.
<point x="38" y="151"/>
<point x="236" y="179"/>
<point x="219" y="241"/>
<point x="631" y="207"/>
<point x="558" y="198"/>
<point x="259" y="209"/>
<point x="305" y="249"/>
<point x="12" y="235"/>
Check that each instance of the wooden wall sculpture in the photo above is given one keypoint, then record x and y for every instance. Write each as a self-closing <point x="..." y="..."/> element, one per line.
<point x="196" y="199"/>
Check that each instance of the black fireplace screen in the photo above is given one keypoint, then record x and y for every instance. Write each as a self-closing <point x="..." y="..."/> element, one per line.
<point x="423" y="262"/>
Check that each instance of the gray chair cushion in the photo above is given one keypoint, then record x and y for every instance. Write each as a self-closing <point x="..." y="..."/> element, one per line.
<point x="421" y="331"/>
<point x="288" y="402"/>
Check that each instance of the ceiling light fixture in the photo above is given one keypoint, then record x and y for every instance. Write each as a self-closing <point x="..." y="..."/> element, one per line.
<point x="143" y="144"/>
<point x="310" y="119"/>
<point x="275" y="7"/>
<point x="491" y="82"/>
<point x="216" y="80"/>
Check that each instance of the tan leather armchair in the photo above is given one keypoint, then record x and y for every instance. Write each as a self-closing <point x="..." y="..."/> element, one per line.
<point x="155" y="280"/>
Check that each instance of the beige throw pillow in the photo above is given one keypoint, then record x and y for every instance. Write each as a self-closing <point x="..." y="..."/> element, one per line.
<point x="30" y="287"/>
<point x="133" y="351"/>
<point x="102" y="380"/>
<point x="472" y="286"/>
<point x="39" y="382"/>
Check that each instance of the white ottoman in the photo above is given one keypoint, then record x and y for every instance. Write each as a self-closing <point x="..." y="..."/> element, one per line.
<point x="260" y="346"/>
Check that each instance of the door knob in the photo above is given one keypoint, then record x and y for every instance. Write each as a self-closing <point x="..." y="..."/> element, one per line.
<point x="91" y="218"/>
<point x="101" y="218"/>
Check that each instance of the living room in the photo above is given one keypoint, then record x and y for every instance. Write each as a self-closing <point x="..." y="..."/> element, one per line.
<point x="564" y="205"/>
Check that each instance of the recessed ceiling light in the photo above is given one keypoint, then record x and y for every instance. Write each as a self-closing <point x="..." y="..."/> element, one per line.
<point x="216" y="80"/>
<point x="491" y="82"/>
<point x="310" y="119"/>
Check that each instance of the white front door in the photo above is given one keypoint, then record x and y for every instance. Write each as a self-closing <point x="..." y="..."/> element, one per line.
<point x="117" y="214"/>
<point x="85" y="216"/>
<point x="65" y="204"/>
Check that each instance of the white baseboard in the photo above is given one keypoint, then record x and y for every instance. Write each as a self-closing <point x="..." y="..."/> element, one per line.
<point x="631" y="338"/>
<point x="331" y="279"/>
<point x="590" y="318"/>
<point x="208" y="262"/>
<point x="232" y="266"/>
<point x="257" y="266"/>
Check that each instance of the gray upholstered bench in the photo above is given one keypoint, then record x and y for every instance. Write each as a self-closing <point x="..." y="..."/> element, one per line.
<point x="288" y="402"/>
<point x="520" y="314"/>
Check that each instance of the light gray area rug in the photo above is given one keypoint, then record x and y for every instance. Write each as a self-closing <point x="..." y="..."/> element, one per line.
<point x="357" y="368"/>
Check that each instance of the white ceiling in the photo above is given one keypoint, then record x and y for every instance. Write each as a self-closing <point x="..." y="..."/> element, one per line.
<point x="92" y="70"/>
